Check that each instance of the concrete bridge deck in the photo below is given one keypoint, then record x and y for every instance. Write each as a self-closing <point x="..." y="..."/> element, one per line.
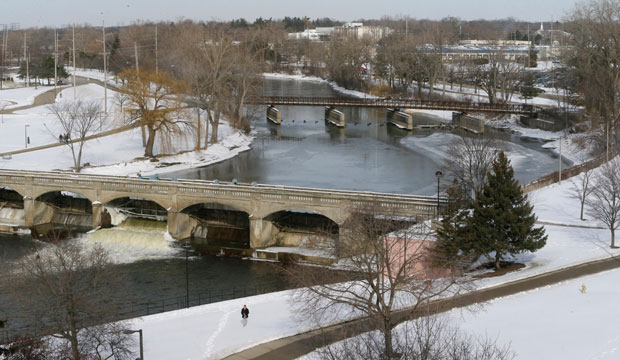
<point x="257" y="200"/>
<point x="398" y="103"/>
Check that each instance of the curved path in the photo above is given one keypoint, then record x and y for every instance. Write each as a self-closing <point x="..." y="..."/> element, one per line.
<point x="49" y="97"/>
<point x="298" y="345"/>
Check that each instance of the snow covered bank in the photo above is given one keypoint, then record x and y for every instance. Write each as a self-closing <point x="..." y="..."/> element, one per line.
<point x="232" y="144"/>
<point x="336" y="87"/>
<point x="42" y="128"/>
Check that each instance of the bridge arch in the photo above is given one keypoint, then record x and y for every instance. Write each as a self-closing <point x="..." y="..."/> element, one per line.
<point x="42" y="193"/>
<point x="333" y="214"/>
<point x="106" y="200"/>
<point x="13" y="189"/>
<point x="236" y="206"/>
<point x="216" y="224"/>
<point x="139" y="206"/>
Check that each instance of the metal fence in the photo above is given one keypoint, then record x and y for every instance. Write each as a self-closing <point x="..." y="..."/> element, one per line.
<point x="133" y="310"/>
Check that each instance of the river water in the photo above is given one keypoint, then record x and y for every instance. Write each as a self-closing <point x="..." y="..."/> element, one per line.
<point x="303" y="151"/>
<point x="366" y="155"/>
<point x="154" y="276"/>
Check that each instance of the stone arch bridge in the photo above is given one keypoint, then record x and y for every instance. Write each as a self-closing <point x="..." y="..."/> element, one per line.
<point x="258" y="201"/>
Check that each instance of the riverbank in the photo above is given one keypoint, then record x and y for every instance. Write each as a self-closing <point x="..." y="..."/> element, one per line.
<point x="573" y="148"/>
<point x="37" y="126"/>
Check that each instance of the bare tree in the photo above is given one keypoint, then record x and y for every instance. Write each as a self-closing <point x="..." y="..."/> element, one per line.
<point x="469" y="160"/>
<point x="345" y="57"/>
<point x="385" y="268"/>
<point x="594" y="60"/>
<point x="217" y="62"/>
<point x="604" y="202"/>
<point x="76" y="120"/>
<point x="154" y="103"/>
<point x="246" y="82"/>
<point x="427" y="338"/>
<point x="498" y="77"/>
<point x="581" y="188"/>
<point x="68" y="292"/>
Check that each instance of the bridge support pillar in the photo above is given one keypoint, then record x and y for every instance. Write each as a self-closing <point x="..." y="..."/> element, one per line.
<point x="29" y="211"/>
<point x="180" y="226"/>
<point x="334" y="117"/>
<point x="274" y="115"/>
<point x="97" y="214"/>
<point x="261" y="233"/>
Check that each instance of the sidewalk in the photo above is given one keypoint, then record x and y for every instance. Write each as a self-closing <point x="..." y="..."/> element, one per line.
<point x="298" y="345"/>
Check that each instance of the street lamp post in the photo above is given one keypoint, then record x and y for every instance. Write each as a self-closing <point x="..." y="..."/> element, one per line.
<point x="129" y="332"/>
<point x="438" y="174"/>
<point x="26" y="136"/>
<point x="187" y="246"/>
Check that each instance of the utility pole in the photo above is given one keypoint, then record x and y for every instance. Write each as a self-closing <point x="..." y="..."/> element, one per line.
<point x="55" y="62"/>
<point x="156" y="54"/>
<point x="105" y="72"/>
<point x="560" y="172"/>
<point x="74" y="66"/>
<point x="26" y="59"/>
<point x="28" y="69"/>
<point x="406" y="27"/>
<point x="4" y="39"/>
<point x="135" y="46"/>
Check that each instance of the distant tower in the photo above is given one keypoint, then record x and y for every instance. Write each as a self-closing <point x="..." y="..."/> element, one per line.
<point x="542" y="28"/>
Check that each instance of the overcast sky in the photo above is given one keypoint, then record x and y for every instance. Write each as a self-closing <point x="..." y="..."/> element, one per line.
<point x="41" y="13"/>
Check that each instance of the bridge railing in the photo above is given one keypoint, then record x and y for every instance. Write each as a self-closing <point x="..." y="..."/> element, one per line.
<point x="65" y="181"/>
<point x="399" y="103"/>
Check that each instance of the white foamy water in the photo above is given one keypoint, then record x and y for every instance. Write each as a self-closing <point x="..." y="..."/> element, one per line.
<point x="11" y="215"/>
<point x="133" y="240"/>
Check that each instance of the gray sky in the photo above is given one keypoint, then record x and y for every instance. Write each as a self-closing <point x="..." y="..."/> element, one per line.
<point x="41" y="13"/>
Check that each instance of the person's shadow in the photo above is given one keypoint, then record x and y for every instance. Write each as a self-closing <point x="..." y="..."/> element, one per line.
<point x="244" y="322"/>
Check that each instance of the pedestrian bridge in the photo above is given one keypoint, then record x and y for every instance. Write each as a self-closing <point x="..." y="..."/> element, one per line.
<point x="399" y="103"/>
<point x="258" y="201"/>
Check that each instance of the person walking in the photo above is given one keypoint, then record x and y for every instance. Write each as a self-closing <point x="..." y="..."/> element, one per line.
<point x="245" y="312"/>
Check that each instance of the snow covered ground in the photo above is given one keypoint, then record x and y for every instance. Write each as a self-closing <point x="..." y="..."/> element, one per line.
<point x="17" y="97"/>
<point x="42" y="129"/>
<point x="552" y="322"/>
<point x="217" y="329"/>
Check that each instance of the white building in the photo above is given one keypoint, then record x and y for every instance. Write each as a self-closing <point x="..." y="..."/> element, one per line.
<point x="354" y="29"/>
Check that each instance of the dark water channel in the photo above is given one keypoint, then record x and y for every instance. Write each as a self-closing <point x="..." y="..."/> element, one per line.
<point x="157" y="285"/>
<point x="366" y="155"/>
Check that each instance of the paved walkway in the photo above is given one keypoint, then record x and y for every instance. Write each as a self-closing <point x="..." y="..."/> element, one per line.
<point x="49" y="97"/>
<point x="87" y="138"/>
<point x="295" y="346"/>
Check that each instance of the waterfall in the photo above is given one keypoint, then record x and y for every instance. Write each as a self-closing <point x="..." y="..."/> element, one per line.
<point x="133" y="240"/>
<point x="11" y="215"/>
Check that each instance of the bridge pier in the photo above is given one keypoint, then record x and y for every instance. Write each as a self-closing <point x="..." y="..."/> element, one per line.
<point x="274" y="115"/>
<point x="334" y="116"/>
<point x="180" y="226"/>
<point x="469" y="123"/>
<point x="400" y="119"/>
<point x="28" y="211"/>
<point x="262" y="233"/>
<point x="97" y="209"/>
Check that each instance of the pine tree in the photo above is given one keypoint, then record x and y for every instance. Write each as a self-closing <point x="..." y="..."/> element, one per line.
<point x="451" y="239"/>
<point x="528" y="90"/>
<point x="502" y="218"/>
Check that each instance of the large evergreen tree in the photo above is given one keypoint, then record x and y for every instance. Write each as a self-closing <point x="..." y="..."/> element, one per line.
<point x="502" y="220"/>
<point x="453" y="237"/>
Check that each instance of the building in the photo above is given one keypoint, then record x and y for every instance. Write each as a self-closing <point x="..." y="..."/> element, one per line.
<point x="350" y="29"/>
